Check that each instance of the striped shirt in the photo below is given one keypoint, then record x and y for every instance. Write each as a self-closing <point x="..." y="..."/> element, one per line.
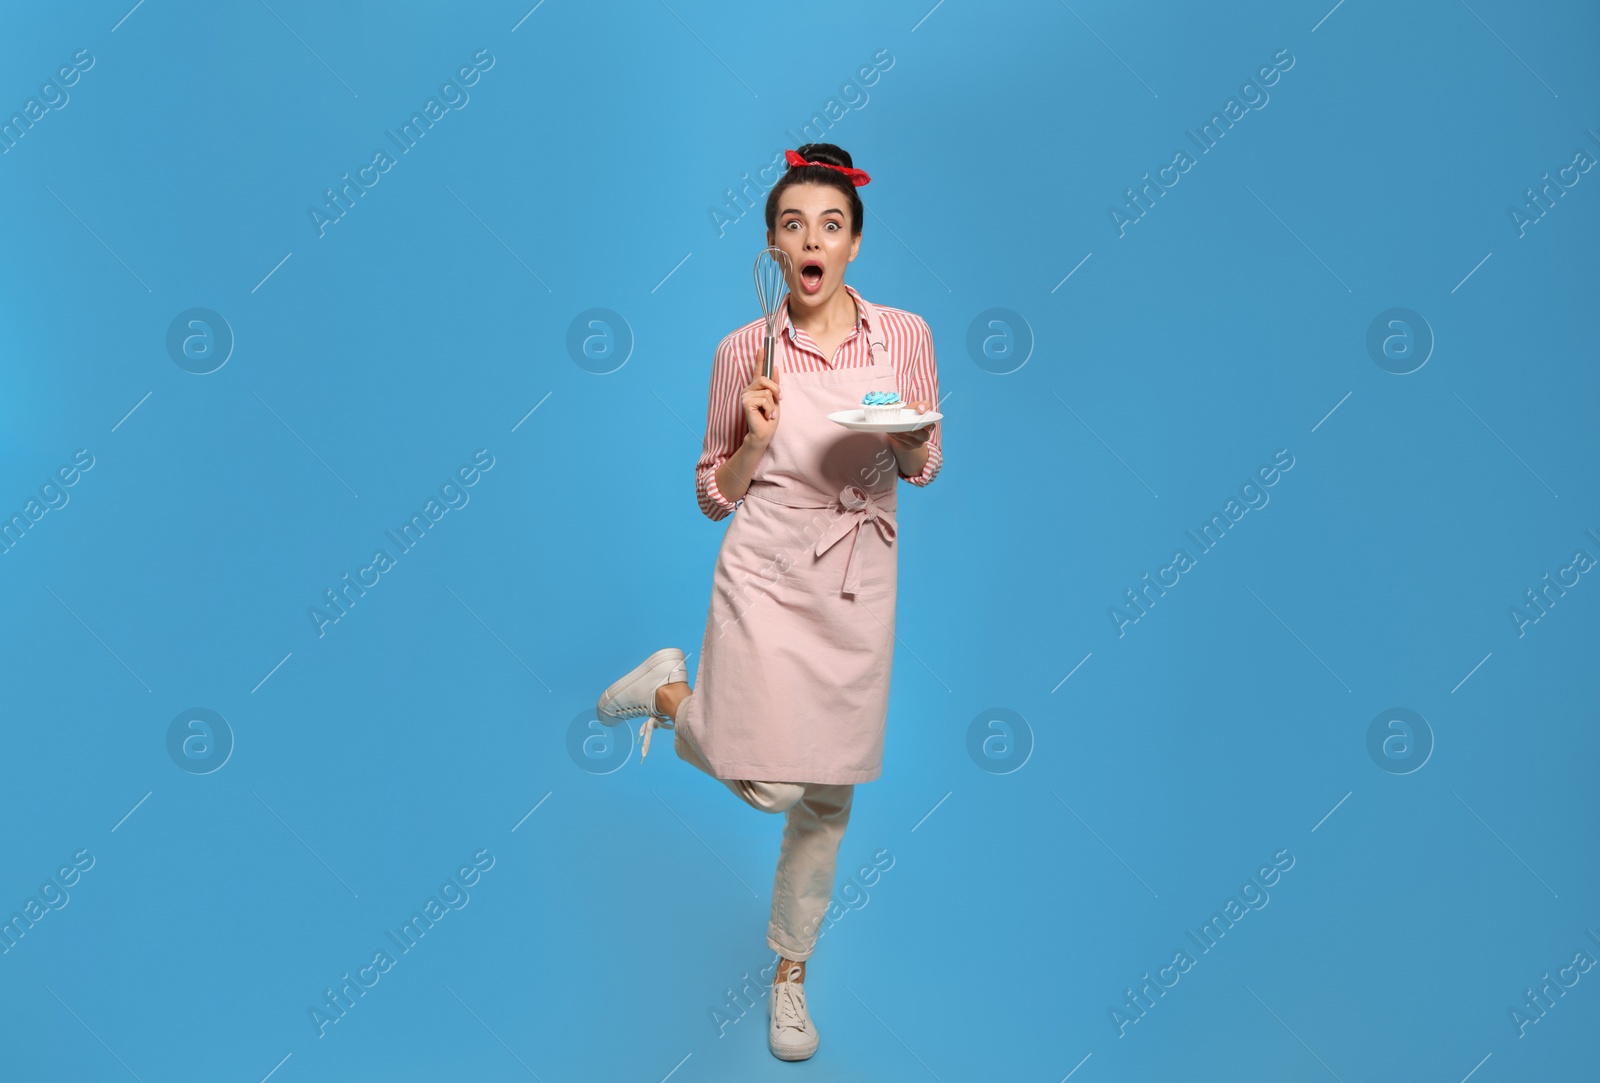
<point x="910" y="344"/>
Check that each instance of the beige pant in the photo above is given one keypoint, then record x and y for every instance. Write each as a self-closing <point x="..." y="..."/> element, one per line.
<point x="815" y="816"/>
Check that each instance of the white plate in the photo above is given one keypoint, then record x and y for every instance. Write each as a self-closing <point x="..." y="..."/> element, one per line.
<point x="909" y="419"/>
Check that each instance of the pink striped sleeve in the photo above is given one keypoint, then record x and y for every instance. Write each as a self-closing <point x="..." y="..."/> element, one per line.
<point x="923" y="373"/>
<point x="725" y="426"/>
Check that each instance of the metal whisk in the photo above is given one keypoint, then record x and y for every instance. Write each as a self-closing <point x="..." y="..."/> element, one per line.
<point x="772" y="283"/>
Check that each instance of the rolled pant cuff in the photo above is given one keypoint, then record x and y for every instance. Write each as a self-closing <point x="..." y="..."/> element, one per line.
<point x="789" y="953"/>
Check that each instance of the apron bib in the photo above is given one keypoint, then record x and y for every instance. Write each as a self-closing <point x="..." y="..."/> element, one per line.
<point x="792" y="684"/>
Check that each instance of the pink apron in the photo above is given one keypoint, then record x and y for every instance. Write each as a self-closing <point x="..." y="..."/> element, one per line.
<point x="792" y="684"/>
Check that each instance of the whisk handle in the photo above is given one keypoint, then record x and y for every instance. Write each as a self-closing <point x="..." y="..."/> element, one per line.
<point x="766" y="361"/>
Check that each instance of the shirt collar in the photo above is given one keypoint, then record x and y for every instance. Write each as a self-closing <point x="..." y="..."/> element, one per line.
<point x="789" y="328"/>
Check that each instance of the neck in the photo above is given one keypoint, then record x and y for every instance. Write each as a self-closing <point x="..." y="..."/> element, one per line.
<point x="834" y="314"/>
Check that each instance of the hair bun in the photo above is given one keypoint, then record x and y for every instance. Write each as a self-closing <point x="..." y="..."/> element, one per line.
<point x="826" y="152"/>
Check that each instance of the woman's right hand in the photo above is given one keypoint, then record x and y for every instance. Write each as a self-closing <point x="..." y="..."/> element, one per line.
<point x="760" y="402"/>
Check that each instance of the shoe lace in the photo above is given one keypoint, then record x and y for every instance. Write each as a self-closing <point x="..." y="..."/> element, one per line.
<point x="653" y="718"/>
<point x="645" y="729"/>
<point x="789" y="1006"/>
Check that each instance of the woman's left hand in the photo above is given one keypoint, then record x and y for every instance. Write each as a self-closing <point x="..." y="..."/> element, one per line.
<point x="910" y="441"/>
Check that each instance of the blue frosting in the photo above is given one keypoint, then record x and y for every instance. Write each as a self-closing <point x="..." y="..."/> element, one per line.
<point x="880" y="398"/>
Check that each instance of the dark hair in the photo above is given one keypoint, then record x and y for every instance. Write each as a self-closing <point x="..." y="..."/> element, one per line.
<point x="816" y="174"/>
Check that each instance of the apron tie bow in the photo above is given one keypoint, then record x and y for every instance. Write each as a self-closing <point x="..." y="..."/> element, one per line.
<point x="859" y="508"/>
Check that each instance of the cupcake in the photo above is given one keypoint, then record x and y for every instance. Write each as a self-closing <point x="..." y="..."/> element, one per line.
<point x="882" y="405"/>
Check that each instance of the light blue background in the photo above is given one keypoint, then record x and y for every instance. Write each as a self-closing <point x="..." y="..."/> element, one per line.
<point x="1229" y="723"/>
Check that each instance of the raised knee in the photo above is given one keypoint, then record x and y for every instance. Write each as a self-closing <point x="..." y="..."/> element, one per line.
<point x="788" y="796"/>
<point x="774" y="797"/>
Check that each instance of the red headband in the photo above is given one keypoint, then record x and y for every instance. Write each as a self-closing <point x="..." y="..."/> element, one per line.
<point x="857" y="177"/>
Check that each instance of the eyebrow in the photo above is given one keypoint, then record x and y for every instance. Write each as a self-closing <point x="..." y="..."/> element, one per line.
<point x="794" y="210"/>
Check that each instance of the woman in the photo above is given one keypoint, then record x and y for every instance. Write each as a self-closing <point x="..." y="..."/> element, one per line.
<point x="792" y="686"/>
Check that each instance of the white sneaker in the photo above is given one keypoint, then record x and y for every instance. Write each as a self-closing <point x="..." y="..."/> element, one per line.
<point x="635" y="694"/>
<point x="790" y="1032"/>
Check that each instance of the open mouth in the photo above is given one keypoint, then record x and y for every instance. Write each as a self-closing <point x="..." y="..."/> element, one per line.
<point x="811" y="276"/>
